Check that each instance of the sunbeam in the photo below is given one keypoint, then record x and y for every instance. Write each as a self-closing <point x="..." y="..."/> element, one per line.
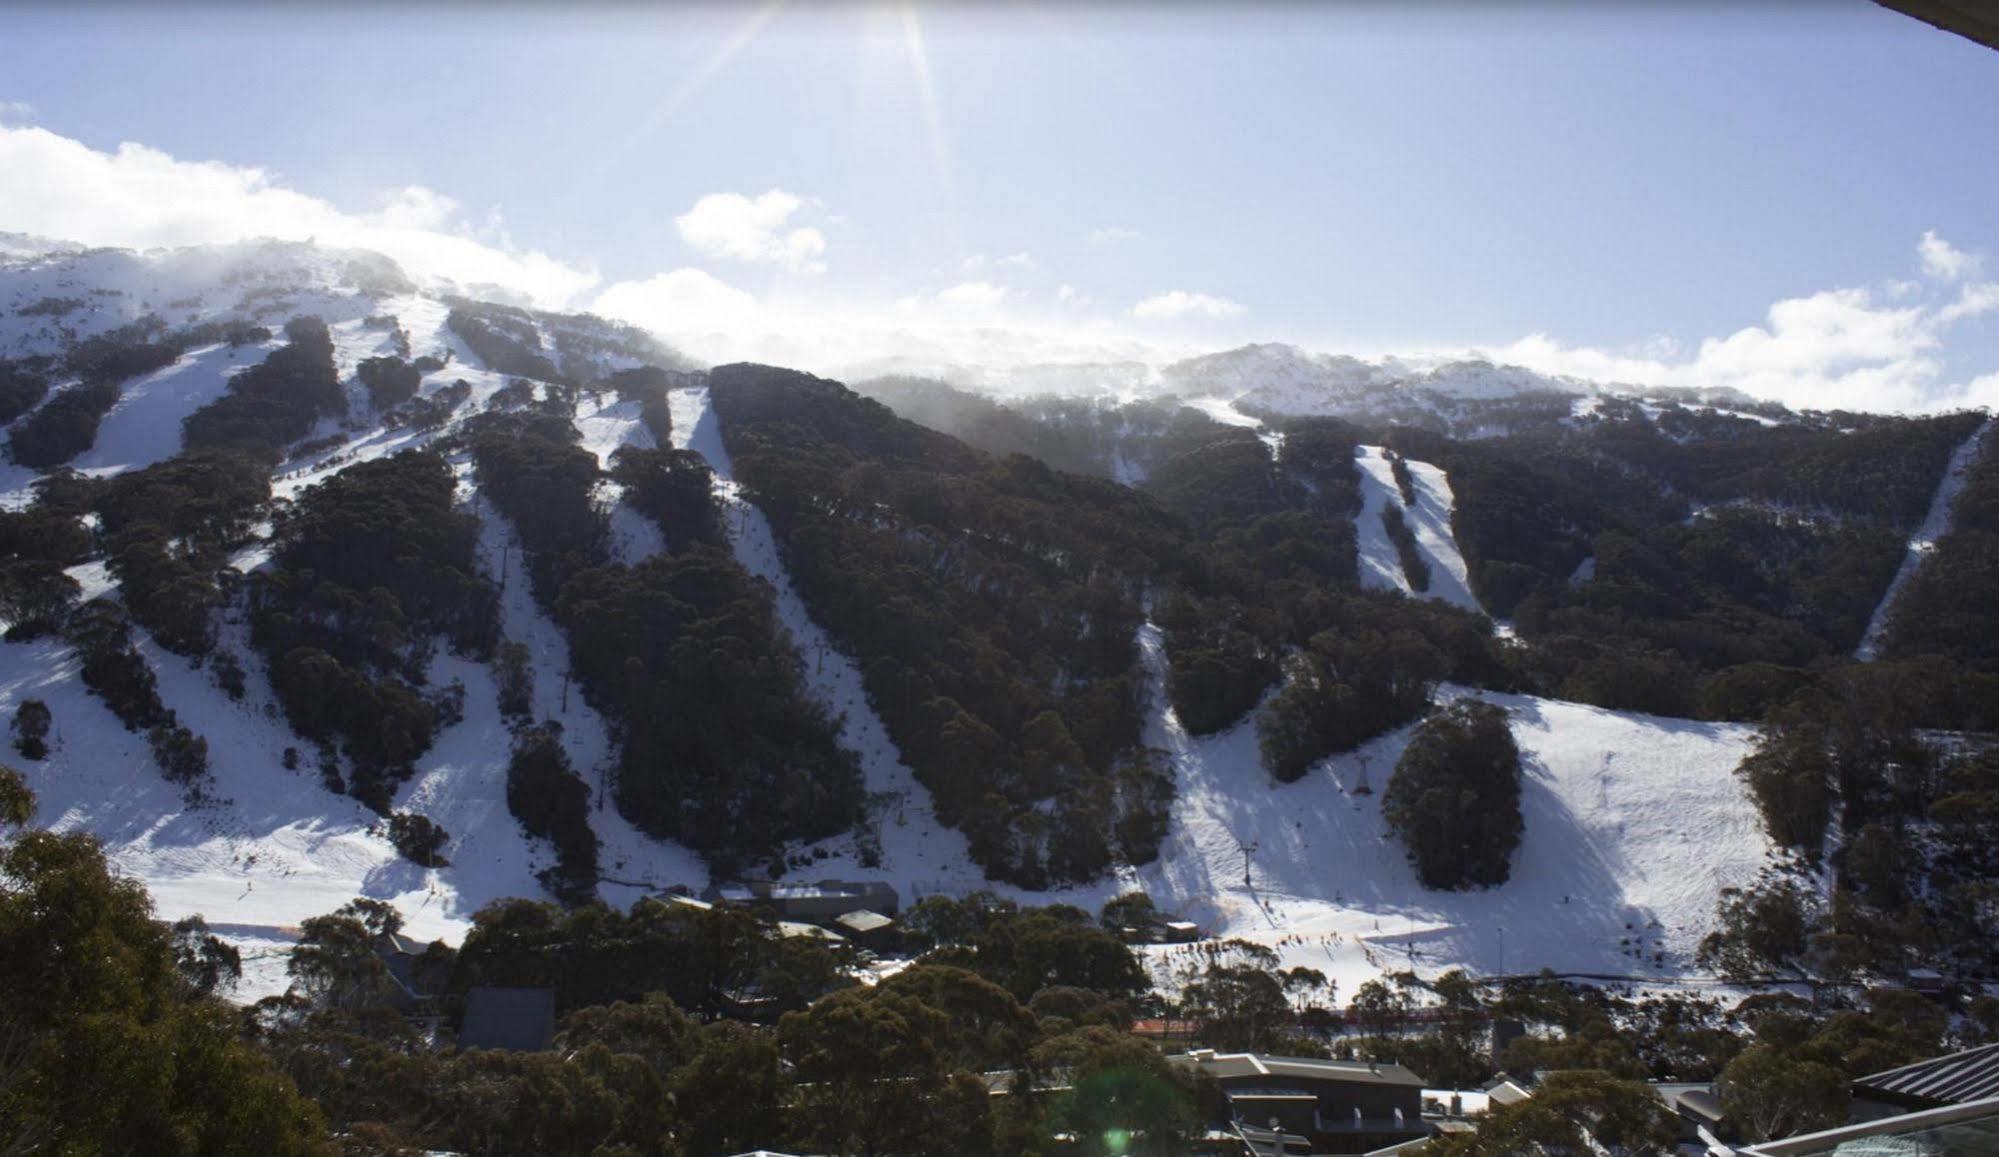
<point x="933" y="117"/>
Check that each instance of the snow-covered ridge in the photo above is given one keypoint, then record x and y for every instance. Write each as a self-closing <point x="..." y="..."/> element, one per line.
<point x="1285" y="380"/>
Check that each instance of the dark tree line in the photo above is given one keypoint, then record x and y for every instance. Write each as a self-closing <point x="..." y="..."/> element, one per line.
<point x="390" y="381"/>
<point x="1919" y="818"/>
<point x="1415" y="567"/>
<point x="167" y="532"/>
<point x="1454" y="799"/>
<point x="504" y="339"/>
<point x="991" y="604"/>
<point x="721" y="746"/>
<point x="1720" y="548"/>
<point x="275" y="402"/>
<point x="369" y="569"/>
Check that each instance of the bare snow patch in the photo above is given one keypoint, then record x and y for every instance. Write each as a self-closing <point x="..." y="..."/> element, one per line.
<point x="1429" y="518"/>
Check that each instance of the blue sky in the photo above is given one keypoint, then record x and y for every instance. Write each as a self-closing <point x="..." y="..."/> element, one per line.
<point x="1627" y="181"/>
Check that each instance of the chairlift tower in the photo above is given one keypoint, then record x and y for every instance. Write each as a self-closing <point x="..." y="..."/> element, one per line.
<point x="1362" y="788"/>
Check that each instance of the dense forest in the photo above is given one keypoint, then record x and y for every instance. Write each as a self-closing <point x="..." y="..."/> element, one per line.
<point x="991" y="605"/>
<point x="370" y="570"/>
<point x="721" y="747"/>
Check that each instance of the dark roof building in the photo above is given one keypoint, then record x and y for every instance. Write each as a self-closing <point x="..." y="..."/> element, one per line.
<point x="1335" y="1106"/>
<point x="514" y="1019"/>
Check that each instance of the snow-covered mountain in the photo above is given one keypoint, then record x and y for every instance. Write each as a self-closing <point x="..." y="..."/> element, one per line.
<point x="1282" y="379"/>
<point x="1634" y="822"/>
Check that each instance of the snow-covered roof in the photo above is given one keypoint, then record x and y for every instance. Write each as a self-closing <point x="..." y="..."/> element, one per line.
<point x="1224" y="1066"/>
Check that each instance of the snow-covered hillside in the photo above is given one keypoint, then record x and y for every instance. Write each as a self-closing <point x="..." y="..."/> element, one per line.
<point x="274" y="846"/>
<point x="1429" y="517"/>
<point x="1633" y="823"/>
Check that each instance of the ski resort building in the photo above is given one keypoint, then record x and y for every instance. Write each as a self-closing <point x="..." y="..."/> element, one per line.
<point x="823" y="901"/>
<point x="1309" y="1105"/>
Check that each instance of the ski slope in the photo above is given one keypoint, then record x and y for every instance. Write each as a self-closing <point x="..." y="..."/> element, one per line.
<point x="915" y="851"/>
<point x="606" y="427"/>
<point x="1633" y="824"/>
<point x="633" y="863"/>
<point x="1935" y="525"/>
<point x="1429" y="517"/>
<point x="274" y="847"/>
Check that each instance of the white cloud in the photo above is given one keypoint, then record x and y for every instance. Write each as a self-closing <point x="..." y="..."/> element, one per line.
<point x="1943" y="260"/>
<point x="16" y="112"/>
<point x="979" y="262"/>
<point x="1180" y="303"/>
<point x="682" y="300"/>
<point x="1975" y="298"/>
<point x="1069" y="296"/>
<point x="1112" y="234"/>
<point x="141" y="198"/>
<point x="744" y="228"/>
<point x="1836" y="349"/>
<point x="973" y="295"/>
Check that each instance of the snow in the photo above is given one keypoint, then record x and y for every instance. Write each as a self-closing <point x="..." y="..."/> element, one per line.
<point x="1429" y="518"/>
<point x="611" y="425"/>
<point x="917" y="852"/>
<point x="1935" y="525"/>
<point x="144" y="427"/>
<point x="1283" y="379"/>
<point x="1224" y="411"/>
<point x="643" y="864"/>
<point x="354" y="343"/>
<point x="605" y="428"/>
<point x="1633" y="824"/>
<point x="274" y="847"/>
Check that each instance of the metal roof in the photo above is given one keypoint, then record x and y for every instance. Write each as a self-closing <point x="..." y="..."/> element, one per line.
<point x="1972" y="1075"/>
<point x="862" y="920"/>
<point x="1968" y="1128"/>
<point x="1224" y="1066"/>
<point x="801" y="930"/>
